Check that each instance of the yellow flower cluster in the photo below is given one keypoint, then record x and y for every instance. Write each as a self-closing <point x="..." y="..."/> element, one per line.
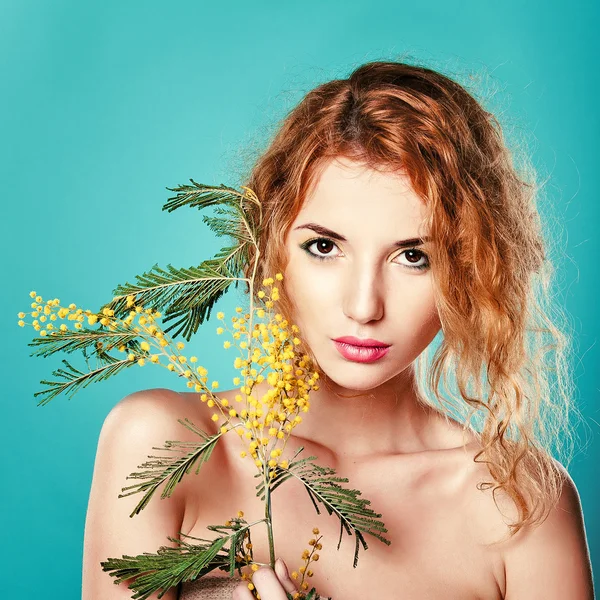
<point x="139" y="324"/>
<point x="267" y="345"/>
<point x="307" y="557"/>
<point x="306" y="572"/>
<point x="45" y="314"/>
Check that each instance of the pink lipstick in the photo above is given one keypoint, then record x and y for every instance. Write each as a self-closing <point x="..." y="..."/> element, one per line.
<point x="361" y="350"/>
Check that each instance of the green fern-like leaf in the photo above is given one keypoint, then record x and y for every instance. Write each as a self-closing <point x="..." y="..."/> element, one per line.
<point x="171" y="469"/>
<point x="239" y="222"/>
<point x="322" y="486"/>
<point x="171" y="566"/>
<point x="187" y="296"/>
<point x="69" y="341"/>
<point x="312" y="595"/>
<point x="74" y="379"/>
<point x="228" y="223"/>
<point x="202" y="196"/>
<point x="199" y="195"/>
<point x="191" y="311"/>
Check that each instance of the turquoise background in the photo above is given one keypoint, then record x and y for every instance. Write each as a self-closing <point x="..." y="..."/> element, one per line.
<point x="105" y="104"/>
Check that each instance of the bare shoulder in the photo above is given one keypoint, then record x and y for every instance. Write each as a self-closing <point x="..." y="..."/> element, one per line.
<point x="140" y="423"/>
<point x="153" y="415"/>
<point x="148" y="409"/>
<point x="552" y="560"/>
<point x="116" y="522"/>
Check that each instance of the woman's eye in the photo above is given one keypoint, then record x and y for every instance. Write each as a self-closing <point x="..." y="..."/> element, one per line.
<point x="322" y="248"/>
<point x="416" y="258"/>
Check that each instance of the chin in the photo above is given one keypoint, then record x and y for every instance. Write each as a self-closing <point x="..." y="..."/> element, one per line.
<point x="359" y="376"/>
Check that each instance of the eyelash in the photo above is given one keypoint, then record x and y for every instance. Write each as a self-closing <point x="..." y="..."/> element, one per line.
<point x="309" y="243"/>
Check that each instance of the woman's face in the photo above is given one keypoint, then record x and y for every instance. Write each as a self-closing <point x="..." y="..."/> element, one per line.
<point x="347" y="276"/>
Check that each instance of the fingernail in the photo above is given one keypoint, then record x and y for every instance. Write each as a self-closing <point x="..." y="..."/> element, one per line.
<point x="282" y="568"/>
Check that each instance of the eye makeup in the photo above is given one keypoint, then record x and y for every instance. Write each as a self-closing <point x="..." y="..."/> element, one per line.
<point x="325" y="232"/>
<point x="306" y="245"/>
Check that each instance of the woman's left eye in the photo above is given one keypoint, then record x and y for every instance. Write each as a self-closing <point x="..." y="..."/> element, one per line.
<point x="324" y="244"/>
<point x="420" y="255"/>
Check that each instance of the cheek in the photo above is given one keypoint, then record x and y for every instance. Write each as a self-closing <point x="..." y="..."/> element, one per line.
<point x="416" y="316"/>
<point x="311" y="291"/>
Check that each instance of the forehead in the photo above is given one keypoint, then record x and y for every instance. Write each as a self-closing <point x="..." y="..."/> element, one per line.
<point x="353" y="197"/>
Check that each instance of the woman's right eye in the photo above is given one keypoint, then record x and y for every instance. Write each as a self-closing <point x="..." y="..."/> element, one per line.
<point x="323" y="245"/>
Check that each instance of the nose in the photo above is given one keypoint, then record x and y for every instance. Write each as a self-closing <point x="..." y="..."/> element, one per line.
<point x="363" y="299"/>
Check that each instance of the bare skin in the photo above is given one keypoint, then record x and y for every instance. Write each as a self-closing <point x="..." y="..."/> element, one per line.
<point x="436" y="519"/>
<point x="414" y="466"/>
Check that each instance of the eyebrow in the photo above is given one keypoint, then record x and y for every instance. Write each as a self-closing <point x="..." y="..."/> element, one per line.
<point x="336" y="236"/>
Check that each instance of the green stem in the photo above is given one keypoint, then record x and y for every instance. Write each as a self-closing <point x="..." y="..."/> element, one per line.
<point x="269" y="523"/>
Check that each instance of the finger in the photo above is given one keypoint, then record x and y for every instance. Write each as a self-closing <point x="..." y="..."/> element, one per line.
<point x="282" y="573"/>
<point x="241" y="592"/>
<point x="267" y="584"/>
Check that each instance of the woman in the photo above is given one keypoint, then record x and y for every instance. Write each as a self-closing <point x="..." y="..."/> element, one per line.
<point x="395" y="213"/>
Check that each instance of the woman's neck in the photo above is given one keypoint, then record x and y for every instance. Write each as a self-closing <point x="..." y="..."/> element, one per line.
<point x="388" y="419"/>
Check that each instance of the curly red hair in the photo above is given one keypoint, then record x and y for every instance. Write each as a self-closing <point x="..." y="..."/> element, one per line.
<point x="501" y="339"/>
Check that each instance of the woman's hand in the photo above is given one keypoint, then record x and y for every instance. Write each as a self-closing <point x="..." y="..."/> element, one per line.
<point x="270" y="585"/>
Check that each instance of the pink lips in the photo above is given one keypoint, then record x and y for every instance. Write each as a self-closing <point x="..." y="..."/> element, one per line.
<point x="357" y="350"/>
